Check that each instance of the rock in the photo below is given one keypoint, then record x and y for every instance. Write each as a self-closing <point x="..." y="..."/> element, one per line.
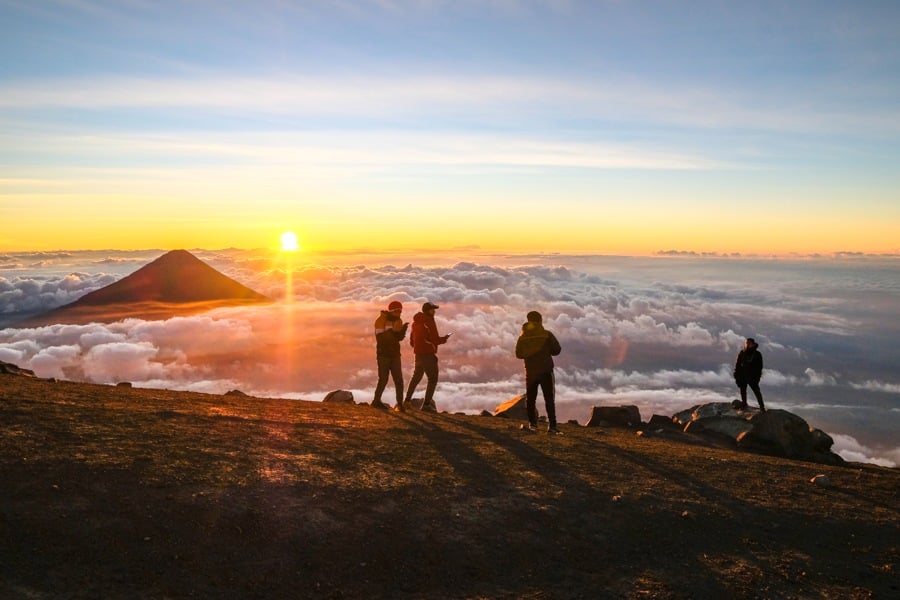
<point x="513" y="409"/>
<point x="774" y="432"/>
<point x="617" y="416"/>
<point x="781" y="433"/>
<point x="821" y="481"/>
<point x="11" y="369"/>
<point x="486" y="413"/>
<point x="661" y="422"/>
<point x="124" y="384"/>
<point x="820" y="441"/>
<point x="705" y="411"/>
<point x="338" y="396"/>
<point x="238" y="393"/>
<point x="414" y="404"/>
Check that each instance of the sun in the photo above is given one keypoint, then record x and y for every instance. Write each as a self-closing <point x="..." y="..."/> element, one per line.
<point x="289" y="242"/>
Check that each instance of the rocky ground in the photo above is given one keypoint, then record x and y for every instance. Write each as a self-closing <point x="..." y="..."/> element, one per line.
<point x="112" y="492"/>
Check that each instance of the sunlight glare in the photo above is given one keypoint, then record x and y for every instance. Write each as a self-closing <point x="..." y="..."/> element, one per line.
<point x="289" y="242"/>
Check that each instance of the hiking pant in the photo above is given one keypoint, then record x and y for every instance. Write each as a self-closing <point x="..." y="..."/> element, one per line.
<point x="754" y="386"/>
<point x="389" y="365"/>
<point x="547" y="383"/>
<point x="426" y="364"/>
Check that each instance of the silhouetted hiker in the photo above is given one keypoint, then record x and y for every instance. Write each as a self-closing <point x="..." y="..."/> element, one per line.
<point x="425" y="340"/>
<point x="389" y="330"/>
<point x="747" y="371"/>
<point x="537" y="347"/>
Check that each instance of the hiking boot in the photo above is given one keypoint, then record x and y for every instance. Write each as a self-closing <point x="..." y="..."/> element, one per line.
<point x="429" y="407"/>
<point x="528" y="427"/>
<point x="552" y="430"/>
<point x="379" y="404"/>
<point x="400" y="407"/>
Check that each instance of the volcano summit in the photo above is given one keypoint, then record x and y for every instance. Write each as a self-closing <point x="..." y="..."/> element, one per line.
<point x="175" y="284"/>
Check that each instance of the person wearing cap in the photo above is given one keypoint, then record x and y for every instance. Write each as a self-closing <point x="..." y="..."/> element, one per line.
<point x="389" y="331"/>
<point x="537" y="347"/>
<point x="748" y="371"/>
<point x="425" y="340"/>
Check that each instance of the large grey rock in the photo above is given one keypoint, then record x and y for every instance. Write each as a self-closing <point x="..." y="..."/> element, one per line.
<point x="514" y="408"/>
<point x="338" y="396"/>
<point x="774" y="432"/>
<point x="781" y="433"/>
<point x="617" y="416"/>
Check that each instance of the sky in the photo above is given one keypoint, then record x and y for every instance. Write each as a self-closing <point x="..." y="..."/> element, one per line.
<point x="533" y="126"/>
<point x="660" y="333"/>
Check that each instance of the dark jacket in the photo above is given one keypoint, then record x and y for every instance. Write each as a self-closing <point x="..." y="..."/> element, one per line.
<point x="748" y="366"/>
<point x="389" y="330"/>
<point x="537" y="347"/>
<point x="425" y="338"/>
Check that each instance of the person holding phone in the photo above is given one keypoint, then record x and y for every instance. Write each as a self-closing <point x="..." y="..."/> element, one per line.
<point x="425" y="340"/>
<point x="389" y="331"/>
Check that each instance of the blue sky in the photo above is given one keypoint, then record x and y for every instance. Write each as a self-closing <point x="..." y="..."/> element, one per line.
<point x="643" y="114"/>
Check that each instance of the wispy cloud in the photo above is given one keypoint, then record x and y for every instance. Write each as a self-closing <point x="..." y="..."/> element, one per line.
<point x="444" y="100"/>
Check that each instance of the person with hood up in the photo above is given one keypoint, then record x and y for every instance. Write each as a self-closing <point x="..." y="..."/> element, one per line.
<point x="425" y="340"/>
<point x="537" y="347"/>
<point x="748" y="371"/>
<point x="389" y="331"/>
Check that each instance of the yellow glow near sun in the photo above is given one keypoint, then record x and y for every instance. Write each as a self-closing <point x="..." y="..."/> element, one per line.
<point x="289" y="242"/>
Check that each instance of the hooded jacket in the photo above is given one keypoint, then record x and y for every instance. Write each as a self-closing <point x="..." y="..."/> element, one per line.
<point x="749" y="365"/>
<point x="389" y="330"/>
<point x="537" y="347"/>
<point x="425" y="338"/>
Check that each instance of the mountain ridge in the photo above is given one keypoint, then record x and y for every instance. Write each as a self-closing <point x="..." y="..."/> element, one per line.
<point x="176" y="283"/>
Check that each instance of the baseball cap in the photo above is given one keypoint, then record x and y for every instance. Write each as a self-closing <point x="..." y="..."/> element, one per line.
<point x="395" y="306"/>
<point x="429" y="306"/>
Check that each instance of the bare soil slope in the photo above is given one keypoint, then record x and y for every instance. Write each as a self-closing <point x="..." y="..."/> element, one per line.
<point x="126" y="493"/>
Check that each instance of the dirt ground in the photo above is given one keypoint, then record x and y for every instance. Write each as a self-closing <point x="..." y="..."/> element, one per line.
<point x="112" y="492"/>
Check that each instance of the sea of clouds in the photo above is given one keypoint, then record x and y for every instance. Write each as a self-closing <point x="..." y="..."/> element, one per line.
<point x="659" y="332"/>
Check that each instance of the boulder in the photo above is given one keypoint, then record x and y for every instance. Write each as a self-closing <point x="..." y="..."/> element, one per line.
<point x="513" y="409"/>
<point x="124" y="384"/>
<point x="713" y="409"/>
<point x="617" y="416"/>
<point x="781" y="433"/>
<point x="11" y="369"/>
<point x="774" y="432"/>
<point x="338" y="396"/>
<point x="662" y="422"/>
<point x="237" y="393"/>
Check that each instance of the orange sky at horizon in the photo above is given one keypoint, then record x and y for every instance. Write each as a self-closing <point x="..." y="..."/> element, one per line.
<point x="621" y="231"/>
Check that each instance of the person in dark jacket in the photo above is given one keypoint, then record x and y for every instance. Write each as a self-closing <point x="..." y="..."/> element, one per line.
<point x="537" y="347"/>
<point x="425" y="340"/>
<point x="389" y="331"/>
<point x="748" y="371"/>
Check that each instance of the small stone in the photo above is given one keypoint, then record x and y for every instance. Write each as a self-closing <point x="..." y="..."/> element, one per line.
<point x="821" y="481"/>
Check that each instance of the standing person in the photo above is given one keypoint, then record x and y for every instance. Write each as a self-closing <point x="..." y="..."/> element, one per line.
<point x="425" y="340"/>
<point x="389" y="331"/>
<point x="537" y="347"/>
<point x="747" y="371"/>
